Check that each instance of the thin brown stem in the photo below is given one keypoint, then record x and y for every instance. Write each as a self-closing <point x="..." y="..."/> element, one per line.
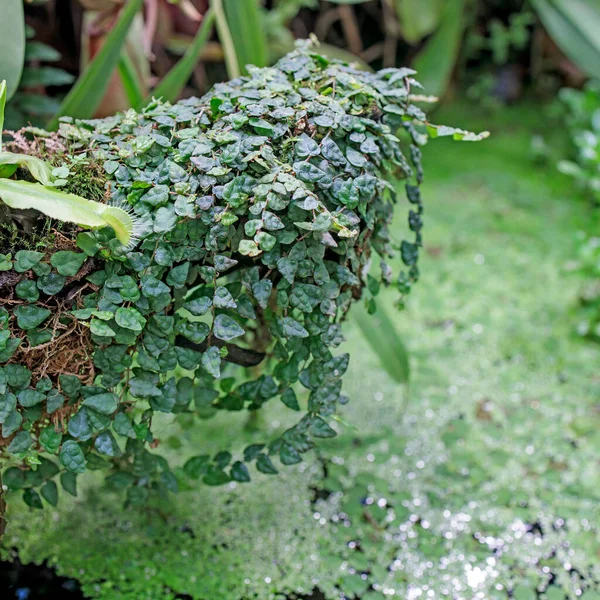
<point x="239" y="356"/>
<point x="351" y="29"/>
<point x="390" y="44"/>
<point x="2" y="508"/>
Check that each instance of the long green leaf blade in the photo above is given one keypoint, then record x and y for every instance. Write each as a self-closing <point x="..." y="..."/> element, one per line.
<point x="380" y="333"/>
<point x="130" y="82"/>
<point x="435" y="63"/>
<point x="584" y="14"/>
<point x="231" y="59"/>
<point x="66" y="207"/>
<point x="244" y="21"/>
<point x="12" y="44"/>
<point x="174" y="81"/>
<point x="89" y="89"/>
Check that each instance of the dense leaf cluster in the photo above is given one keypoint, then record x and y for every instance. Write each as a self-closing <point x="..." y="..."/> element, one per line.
<point x="259" y="210"/>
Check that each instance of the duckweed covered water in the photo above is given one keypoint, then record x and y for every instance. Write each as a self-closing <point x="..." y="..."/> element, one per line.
<point x="483" y="483"/>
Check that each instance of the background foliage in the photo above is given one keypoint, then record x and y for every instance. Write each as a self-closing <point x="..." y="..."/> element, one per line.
<point x="123" y="55"/>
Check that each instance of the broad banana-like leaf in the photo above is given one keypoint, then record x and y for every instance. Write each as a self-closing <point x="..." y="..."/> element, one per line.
<point x="12" y="44"/>
<point x="66" y="207"/>
<point x="575" y="27"/>
<point x="418" y="19"/>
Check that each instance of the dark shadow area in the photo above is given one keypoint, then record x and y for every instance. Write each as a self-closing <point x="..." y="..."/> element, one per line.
<point x="316" y="594"/>
<point x="35" y="582"/>
<point x="41" y="582"/>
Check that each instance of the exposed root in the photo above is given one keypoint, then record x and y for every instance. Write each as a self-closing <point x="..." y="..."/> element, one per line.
<point x="60" y="418"/>
<point x="62" y="242"/>
<point x="69" y="352"/>
<point x="9" y="279"/>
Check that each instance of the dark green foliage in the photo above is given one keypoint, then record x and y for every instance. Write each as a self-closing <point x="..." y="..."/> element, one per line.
<point x="258" y="210"/>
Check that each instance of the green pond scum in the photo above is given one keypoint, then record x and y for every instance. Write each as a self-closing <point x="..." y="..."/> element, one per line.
<point x="481" y="484"/>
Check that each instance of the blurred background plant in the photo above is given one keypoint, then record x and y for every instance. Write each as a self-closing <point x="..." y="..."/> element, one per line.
<point x="581" y="115"/>
<point x="588" y="267"/>
<point x="95" y="57"/>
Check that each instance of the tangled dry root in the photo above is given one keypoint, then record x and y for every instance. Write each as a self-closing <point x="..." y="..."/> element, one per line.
<point x="68" y="353"/>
